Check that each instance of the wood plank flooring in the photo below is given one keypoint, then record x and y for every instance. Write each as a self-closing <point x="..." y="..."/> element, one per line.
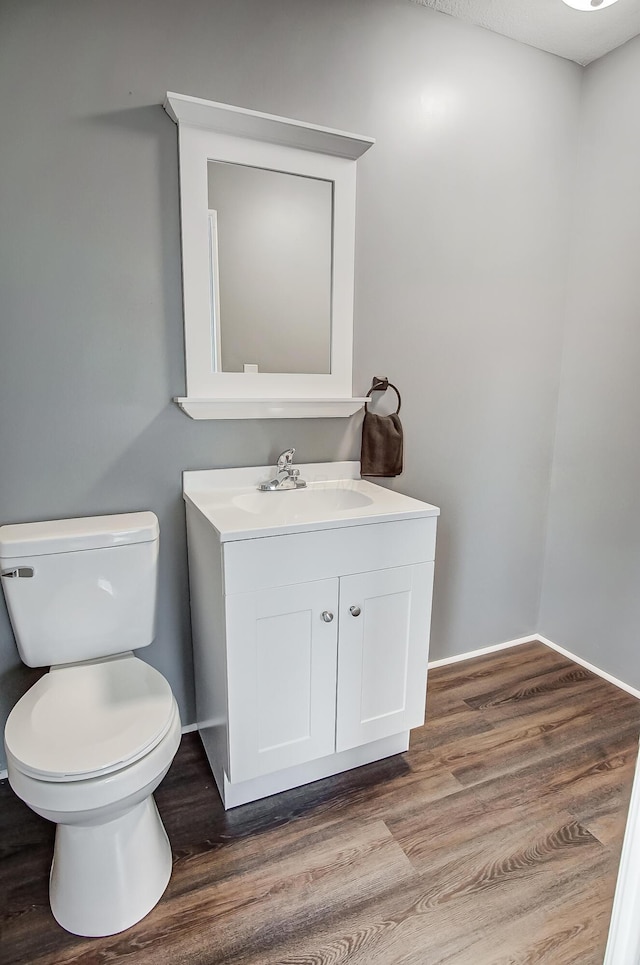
<point x="494" y="841"/>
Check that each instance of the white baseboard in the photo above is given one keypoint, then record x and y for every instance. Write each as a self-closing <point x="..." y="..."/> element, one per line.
<point x="3" y="775"/>
<point x="548" y="643"/>
<point x="445" y="661"/>
<point x="589" y="666"/>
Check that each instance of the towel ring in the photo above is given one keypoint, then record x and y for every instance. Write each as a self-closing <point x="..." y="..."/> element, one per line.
<point x="381" y="385"/>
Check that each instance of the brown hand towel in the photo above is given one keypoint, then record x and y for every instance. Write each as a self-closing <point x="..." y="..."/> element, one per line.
<point x="381" y="445"/>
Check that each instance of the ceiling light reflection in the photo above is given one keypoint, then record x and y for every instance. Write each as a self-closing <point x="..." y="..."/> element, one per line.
<point x="588" y="4"/>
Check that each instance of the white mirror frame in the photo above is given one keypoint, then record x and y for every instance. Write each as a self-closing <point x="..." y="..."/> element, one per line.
<point x="211" y="131"/>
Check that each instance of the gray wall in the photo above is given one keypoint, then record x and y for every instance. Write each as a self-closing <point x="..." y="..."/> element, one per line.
<point x="462" y="236"/>
<point x="590" y="601"/>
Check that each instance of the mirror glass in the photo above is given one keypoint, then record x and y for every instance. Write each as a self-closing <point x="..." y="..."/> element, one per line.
<point x="270" y="240"/>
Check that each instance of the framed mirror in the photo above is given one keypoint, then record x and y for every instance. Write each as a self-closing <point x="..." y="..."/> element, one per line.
<point x="268" y="230"/>
<point x="270" y="243"/>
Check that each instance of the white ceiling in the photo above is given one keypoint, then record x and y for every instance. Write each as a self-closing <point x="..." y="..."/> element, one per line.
<point x="550" y="24"/>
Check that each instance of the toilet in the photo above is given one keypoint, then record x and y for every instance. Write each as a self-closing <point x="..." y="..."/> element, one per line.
<point x="89" y="743"/>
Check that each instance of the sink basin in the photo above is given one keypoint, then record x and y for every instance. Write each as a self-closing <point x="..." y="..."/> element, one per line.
<point x="292" y="502"/>
<point x="335" y="496"/>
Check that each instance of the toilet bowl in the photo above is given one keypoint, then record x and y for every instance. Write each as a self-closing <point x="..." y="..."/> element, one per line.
<point x="89" y="743"/>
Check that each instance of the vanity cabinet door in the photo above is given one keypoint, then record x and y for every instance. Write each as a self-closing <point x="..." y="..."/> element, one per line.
<point x="383" y="652"/>
<point x="282" y="653"/>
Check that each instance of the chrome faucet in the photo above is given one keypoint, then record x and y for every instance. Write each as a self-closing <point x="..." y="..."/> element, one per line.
<point x="286" y="476"/>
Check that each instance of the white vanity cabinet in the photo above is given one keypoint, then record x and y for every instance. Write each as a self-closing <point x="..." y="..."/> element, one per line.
<point x="308" y="677"/>
<point x="310" y="648"/>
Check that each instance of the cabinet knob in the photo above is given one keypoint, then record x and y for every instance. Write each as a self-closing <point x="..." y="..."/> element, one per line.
<point x="355" y="611"/>
<point x="327" y="616"/>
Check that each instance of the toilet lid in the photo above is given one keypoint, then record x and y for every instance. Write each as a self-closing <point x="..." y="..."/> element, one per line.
<point x="82" y="721"/>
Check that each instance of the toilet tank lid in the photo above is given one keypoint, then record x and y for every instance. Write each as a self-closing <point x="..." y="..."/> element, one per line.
<point x="74" y="535"/>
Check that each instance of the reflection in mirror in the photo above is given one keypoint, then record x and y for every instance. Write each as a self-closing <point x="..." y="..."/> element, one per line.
<point x="271" y="257"/>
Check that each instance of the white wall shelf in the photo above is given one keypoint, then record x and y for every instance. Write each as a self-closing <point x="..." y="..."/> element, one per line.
<point x="269" y="408"/>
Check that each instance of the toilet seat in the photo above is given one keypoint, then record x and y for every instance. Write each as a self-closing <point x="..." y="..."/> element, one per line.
<point x="86" y="720"/>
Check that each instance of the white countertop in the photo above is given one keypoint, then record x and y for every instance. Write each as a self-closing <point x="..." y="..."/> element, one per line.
<point x="335" y="496"/>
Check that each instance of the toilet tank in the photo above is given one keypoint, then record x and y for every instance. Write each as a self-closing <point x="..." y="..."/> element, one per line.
<point x="79" y="589"/>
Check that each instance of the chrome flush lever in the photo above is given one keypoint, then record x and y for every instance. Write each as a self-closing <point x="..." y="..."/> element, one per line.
<point x="20" y="572"/>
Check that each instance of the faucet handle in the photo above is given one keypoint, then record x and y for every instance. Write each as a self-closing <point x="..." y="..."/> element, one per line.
<point x="285" y="459"/>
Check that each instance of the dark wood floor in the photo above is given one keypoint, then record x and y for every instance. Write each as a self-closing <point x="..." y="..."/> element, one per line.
<point x="494" y="841"/>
